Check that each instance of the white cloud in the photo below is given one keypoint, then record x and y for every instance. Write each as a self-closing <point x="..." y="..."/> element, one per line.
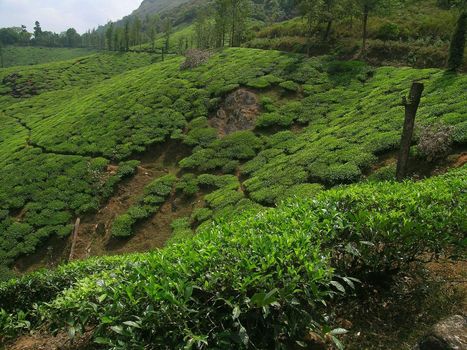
<point x="59" y="15"/>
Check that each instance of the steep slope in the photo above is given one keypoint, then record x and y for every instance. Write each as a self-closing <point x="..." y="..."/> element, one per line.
<point x="151" y="7"/>
<point x="318" y="123"/>
<point x="261" y="280"/>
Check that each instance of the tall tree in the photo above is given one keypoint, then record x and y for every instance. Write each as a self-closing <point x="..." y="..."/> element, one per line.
<point x="109" y="35"/>
<point x="1" y="54"/>
<point x="72" y="38"/>
<point x="367" y="7"/>
<point x="239" y="12"/>
<point x="310" y="10"/>
<point x="167" y="29"/>
<point x="153" y="23"/>
<point x="221" y="8"/>
<point x="37" y="31"/>
<point x="457" y="45"/>
<point x="136" y="31"/>
<point x="126" y="35"/>
<point x="204" y="30"/>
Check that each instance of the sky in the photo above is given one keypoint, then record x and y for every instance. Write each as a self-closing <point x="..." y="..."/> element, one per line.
<point x="59" y="15"/>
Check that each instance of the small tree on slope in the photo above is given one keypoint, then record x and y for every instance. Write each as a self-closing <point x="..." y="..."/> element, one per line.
<point x="456" y="48"/>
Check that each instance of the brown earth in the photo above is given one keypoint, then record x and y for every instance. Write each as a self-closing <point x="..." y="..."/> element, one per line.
<point x="238" y="112"/>
<point x="94" y="238"/>
<point x="44" y="341"/>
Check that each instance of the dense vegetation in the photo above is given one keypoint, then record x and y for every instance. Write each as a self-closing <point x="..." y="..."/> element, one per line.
<point x="266" y="177"/>
<point x="24" y="56"/>
<point x="60" y="140"/>
<point x="258" y="281"/>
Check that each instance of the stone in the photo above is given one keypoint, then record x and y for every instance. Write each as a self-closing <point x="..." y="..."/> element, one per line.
<point x="449" y="334"/>
<point x="238" y="112"/>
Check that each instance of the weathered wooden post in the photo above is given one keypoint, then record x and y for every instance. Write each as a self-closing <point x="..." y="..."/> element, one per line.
<point x="411" y="106"/>
<point x="74" y="238"/>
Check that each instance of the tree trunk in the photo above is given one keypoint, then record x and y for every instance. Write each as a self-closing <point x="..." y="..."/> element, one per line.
<point x="365" y="24"/>
<point x="328" y="30"/>
<point x="411" y="106"/>
<point x="457" y="45"/>
<point x="234" y="18"/>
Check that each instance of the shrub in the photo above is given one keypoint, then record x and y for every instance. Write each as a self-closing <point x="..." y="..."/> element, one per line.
<point x="260" y="277"/>
<point x="188" y="185"/>
<point x="435" y="141"/>
<point x="457" y="45"/>
<point x="388" y="31"/>
<point x="201" y="214"/>
<point x="385" y="173"/>
<point x="155" y="193"/>
<point x="181" y="231"/>
<point x="290" y="86"/>
<point x="122" y="226"/>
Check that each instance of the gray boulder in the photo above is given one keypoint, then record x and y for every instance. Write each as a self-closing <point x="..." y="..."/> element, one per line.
<point x="449" y="334"/>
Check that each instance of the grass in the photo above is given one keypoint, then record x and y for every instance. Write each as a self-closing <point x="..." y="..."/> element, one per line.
<point x="25" y="56"/>
<point x="68" y="123"/>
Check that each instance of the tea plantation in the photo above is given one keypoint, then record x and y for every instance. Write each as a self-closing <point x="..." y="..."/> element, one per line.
<point x="263" y="280"/>
<point x="24" y="56"/>
<point x="66" y="125"/>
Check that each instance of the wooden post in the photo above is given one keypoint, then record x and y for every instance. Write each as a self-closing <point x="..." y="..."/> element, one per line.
<point x="411" y="106"/>
<point x="74" y="239"/>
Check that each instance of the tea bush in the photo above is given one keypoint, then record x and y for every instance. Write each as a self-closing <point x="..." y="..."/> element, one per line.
<point x="260" y="277"/>
<point x="59" y="148"/>
<point x="155" y="193"/>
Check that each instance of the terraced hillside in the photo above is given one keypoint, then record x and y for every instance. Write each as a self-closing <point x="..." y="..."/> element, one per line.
<point x="270" y="278"/>
<point x="25" y="56"/>
<point x="248" y="129"/>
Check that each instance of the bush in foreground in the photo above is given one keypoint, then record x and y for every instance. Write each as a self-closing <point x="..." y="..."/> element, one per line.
<point x="256" y="281"/>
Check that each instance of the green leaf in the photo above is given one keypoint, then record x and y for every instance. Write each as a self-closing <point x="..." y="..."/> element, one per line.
<point x="338" y="286"/>
<point x="339" y="331"/>
<point x="117" y="329"/>
<point x="71" y="332"/>
<point x="132" y="324"/>
<point x="102" y="340"/>
<point x="338" y="343"/>
<point x="236" y="312"/>
<point x="244" y="335"/>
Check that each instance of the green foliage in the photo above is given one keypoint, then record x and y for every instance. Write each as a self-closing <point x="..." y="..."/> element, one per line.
<point x="25" y="56"/>
<point x="290" y="86"/>
<point x="240" y="145"/>
<point x="181" y="231"/>
<point x="201" y="214"/>
<point x="155" y="193"/>
<point x="388" y="31"/>
<point x="385" y="173"/>
<point x="58" y="146"/>
<point x="457" y="45"/>
<point x="188" y="185"/>
<point x="258" y="271"/>
<point x="301" y="191"/>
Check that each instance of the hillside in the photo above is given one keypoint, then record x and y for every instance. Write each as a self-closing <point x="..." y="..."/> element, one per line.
<point x="265" y="279"/>
<point x="235" y="134"/>
<point x="25" y="56"/>
<point x="149" y="7"/>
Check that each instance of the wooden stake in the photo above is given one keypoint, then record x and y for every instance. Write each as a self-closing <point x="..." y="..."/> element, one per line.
<point x="411" y="106"/>
<point x="74" y="239"/>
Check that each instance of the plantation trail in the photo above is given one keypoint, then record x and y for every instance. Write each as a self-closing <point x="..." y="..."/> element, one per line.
<point x="94" y="237"/>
